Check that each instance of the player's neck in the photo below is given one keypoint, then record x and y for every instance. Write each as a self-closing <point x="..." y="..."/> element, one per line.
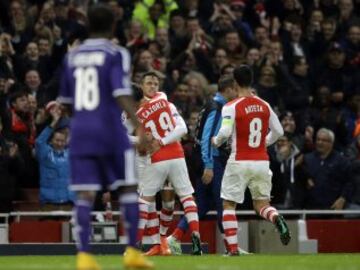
<point x="99" y="36"/>
<point x="245" y="92"/>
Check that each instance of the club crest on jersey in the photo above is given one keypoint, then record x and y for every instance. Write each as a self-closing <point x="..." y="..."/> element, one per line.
<point x="253" y="108"/>
<point x="153" y="108"/>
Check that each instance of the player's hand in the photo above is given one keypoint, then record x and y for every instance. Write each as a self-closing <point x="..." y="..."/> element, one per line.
<point x="207" y="176"/>
<point x="310" y="183"/>
<point x="213" y="142"/>
<point x="155" y="146"/>
<point x="338" y="204"/>
<point x="149" y="137"/>
<point x="143" y="140"/>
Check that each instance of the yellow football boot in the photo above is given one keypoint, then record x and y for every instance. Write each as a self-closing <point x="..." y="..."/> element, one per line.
<point x="134" y="259"/>
<point x="85" y="261"/>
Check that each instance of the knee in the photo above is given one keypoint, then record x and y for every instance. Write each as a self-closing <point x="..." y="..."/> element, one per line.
<point x="86" y="196"/>
<point x="229" y="205"/>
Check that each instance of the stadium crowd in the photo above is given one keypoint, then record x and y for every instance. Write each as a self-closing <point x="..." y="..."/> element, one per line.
<point x="305" y="55"/>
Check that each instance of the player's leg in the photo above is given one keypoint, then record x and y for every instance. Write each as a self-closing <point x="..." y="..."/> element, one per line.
<point x="260" y="188"/>
<point x="85" y="181"/>
<point x="154" y="178"/>
<point x="203" y="198"/>
<point x="179" y="178"/>
<point x="120" y="174"/>
<point x="167" y="209"/>
<point x="233" y="188"/>
<point x="166" y="216"/>
<point x="230" y="225"/>
<point x="219" y="169"/>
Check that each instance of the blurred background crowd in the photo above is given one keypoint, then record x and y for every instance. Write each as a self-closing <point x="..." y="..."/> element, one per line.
<point x="305" y="55"/>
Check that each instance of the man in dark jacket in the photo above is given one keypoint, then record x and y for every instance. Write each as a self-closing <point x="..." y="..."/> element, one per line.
<point x="328" y="184"/>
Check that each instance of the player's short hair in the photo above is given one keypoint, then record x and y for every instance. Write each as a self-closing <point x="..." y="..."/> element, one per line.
<point x="150" y="74"/>
<point x="101" y="19"/>
<point x="243" y="75"/>
<point x="225" y="81"/>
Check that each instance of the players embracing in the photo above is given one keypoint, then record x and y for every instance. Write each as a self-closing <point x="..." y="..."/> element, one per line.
<point x="164" y="127"/>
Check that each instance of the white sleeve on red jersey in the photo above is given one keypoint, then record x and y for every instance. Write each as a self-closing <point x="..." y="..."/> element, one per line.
<point x="179" y="130"/>
<point x="130" y="128"/>
<point x="276" y="129"/>
<point x="227" y="125"/>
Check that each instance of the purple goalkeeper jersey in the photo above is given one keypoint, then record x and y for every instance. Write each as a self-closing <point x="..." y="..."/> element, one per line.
<point x="93" y="75"/>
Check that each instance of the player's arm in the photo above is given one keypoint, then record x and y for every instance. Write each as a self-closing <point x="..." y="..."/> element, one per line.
<point x="65" y="97"/>
<point x="179" y="130"/>
<point x="206" y="149"/>
<point x="227" y="126"/>
<point x="121" y="86"/>
<point x="127" y="103"/>
<point x="276" y="129"/>
<point x="130" y="129"/>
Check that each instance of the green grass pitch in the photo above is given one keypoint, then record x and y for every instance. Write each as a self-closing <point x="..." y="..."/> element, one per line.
<point x="212" y="262"/>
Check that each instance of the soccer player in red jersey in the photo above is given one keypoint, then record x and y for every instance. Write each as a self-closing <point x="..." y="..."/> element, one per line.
<point x="247" y="120"/>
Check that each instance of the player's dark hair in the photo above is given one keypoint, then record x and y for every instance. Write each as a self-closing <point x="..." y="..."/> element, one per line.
<point x="101" y="19"/>
<point x="150" y="74"/>
<point x="243" y="75"/>
<point x="225" y="81"/>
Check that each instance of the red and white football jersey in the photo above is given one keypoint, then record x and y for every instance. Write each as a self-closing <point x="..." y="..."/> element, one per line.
<point x="156" y="116"/>
<point x="250" y="118"/>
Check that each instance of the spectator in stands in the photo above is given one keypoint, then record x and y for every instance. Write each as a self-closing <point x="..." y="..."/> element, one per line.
<point x="288" y="188"/>
<point x="351" y="45"/>
<point x="53" y="157"/>
<point x="135" y="37"/>
<point x="19" y="125"/>
<point x="261" y="38"/>
<point x="42" y="93"/>
<point x="347" y="15"/>
<point x="336" y="76"/>
<point x="323" y="39"/>
<point x="294" y="42"/>
<point x="153" y="14"/>
<point x="177" y="32"/>
<point x="235" y="47"/>
<point x="326" y="174"/>
<point x="7" y="52"/>
<point x="304" y="142"/>
<point x="162" y="38"/>
<point x="182" y="100"/>
<point x="197" y="84"/>
<point x="353" y="153"/>
<point x="314" y="24"/>
<point x="298" y="91"/>
<point x="11" y="165"/>
<point x="268" y="87"/>
<point x="324" y="114"/>
<point x="253" y="58"/>
<point x="31" y="60"/>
